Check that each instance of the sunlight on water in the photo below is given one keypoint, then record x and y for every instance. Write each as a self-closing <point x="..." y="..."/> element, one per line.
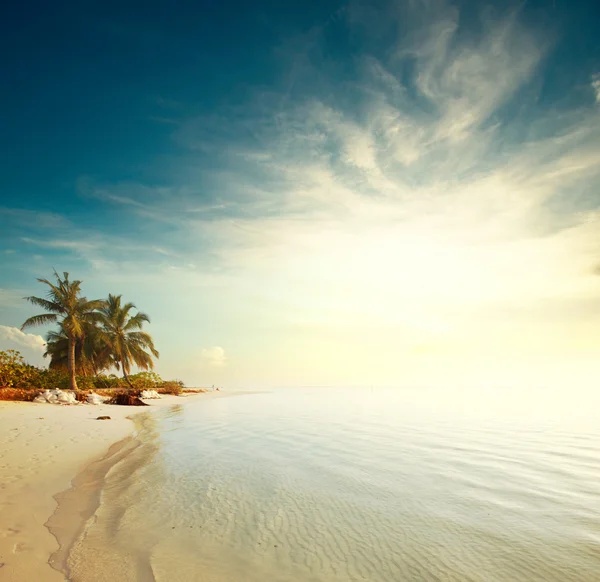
<point x="343" y="485"/>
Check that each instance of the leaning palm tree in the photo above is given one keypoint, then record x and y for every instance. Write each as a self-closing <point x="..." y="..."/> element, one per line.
<point x="63" y="301"/>
<point x="122" y="332"/>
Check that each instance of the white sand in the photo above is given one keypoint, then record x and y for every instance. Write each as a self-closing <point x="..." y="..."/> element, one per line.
<point x="42" y="448"/>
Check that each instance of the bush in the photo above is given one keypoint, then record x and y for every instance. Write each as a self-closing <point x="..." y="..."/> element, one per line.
<point x="15" y="373"/>
<point x="145" y="380"/>
<point x="170" y="387"/>
<point x="86" y="382"/>
<point x="103" y="382"/>
<point x="11" y="358"/>
<point x="51" y="379"/>
<point x="152" y="381"/>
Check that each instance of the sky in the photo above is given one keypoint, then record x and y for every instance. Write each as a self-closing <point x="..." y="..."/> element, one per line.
<point x="312" y="193"/>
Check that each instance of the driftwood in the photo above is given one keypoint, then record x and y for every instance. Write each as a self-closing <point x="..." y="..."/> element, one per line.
<point x="127" y="399"/>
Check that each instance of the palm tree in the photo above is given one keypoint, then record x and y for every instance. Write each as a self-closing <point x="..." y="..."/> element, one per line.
<point x="63" y="300"/>
<point x="122" y="332"/>
<point x="92" y="352"/>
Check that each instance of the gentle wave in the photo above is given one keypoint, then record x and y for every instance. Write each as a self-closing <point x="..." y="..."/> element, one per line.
<point x="344" y="485"/>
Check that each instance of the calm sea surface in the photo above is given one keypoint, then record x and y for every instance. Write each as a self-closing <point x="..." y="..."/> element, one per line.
<point x="347" y="485"/>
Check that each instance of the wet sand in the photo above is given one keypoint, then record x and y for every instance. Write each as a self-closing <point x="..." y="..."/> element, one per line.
<point x="42" y="448"/>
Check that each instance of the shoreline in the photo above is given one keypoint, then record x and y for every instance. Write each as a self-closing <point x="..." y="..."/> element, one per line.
<point x="76" y="505"/>
<point x="46" y="454"/>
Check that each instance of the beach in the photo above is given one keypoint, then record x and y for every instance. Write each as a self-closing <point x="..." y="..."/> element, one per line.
<point x="42" y="448"/>
<point x="320" y="485"/>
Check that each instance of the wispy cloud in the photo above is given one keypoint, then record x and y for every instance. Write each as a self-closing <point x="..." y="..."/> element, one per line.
<point x="60" y="244"/>
<point x="425" y="171"/>
<point x="33" y="219"/>
<point x="375" y="205"/>
<point x="596" y="86"/>
<point x="468" y="81"/>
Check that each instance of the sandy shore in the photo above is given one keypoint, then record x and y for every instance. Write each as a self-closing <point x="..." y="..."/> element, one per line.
<point x="42" y="448"/>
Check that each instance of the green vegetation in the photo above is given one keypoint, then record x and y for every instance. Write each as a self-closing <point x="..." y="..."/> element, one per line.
<point x="16" y="374"/>
<point x="93" y="337"/>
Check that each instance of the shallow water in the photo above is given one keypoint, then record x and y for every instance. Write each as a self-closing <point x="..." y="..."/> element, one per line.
<point x="346" y="485"/>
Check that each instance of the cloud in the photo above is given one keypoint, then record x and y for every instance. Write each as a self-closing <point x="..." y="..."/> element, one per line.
<point x="60" y="244"/>
<point x="468" y="81"/>
<point x="13" y="336"/>
<point x="213" y="357"/>
<point x="396" y="181"/>
<point x="34" y="219"/>
<point x="156" y="203"/>
<point x="103" y="251"/>
<point x="596" y="86"/>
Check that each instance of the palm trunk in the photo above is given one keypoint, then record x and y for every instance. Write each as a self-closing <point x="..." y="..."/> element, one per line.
<point x="72" y="379"/>
<point x="125" y="374"/>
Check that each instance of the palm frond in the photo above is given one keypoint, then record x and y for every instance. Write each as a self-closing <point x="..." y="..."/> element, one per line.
<point x="42" y="319"/>
<point x="143" y="340"/>
<point x="55" y="336"/>
<point x="51" y="306"/>
<point x="142" y="359"/>
<point x="93" y="305"/>
<point x="53" y="288"/>
<point x="128" y="307"/>
<point x="136" y="322"/>
<point x="94" y="318"/>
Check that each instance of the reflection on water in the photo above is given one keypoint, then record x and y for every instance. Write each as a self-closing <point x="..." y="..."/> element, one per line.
<point x="343" y="485"/>
<point x="173" y="411"/>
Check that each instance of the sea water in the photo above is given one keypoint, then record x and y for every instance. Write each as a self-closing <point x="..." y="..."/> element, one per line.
<point x="341" y="485"/>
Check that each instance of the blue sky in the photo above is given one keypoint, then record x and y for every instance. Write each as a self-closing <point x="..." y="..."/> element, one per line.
<point x="313" y="193"/>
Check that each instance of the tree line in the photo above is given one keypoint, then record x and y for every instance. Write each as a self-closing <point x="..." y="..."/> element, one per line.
<point x="93" y="335"/>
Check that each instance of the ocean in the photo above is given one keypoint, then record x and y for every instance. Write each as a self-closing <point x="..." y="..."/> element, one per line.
<point x="343" y="485"/>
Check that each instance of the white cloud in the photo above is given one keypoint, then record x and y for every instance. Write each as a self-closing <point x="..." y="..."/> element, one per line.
<point x="213" y="357"/>
<point x="14" y="338"/>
